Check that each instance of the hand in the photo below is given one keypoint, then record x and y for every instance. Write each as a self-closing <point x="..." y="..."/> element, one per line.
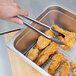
<point x="9" y="11"/>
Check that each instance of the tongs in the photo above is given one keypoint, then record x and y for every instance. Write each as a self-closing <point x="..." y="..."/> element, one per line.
<point x="38" y="22"/>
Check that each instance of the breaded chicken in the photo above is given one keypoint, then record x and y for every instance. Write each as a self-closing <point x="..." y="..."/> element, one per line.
<point x="74" y="67"/>
<point x="57" y="58"/>
<point x="33" y="53"/>
<point x="68" y="39"/>
<point x="49" y="33"/>
<point x="57" y="28"/>
<point x="44" y="55"/>
<point x="64" y="70"/>
<point x="42" y="41"/>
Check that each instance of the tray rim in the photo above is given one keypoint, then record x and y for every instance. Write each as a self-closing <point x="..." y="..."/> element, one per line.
<point x="11" y="46"/>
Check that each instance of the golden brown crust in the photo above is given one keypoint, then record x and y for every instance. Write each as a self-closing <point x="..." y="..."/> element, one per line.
<point x="51" y="49"/>
<point x="42" y="41"/>
<point x="64" y="70"/>
<point x="49" y="33"/>
<point x="68" y="39"/>
<point x="53" y="66"/>
<point x="36" y="47"/>
<point x="74" y="67"/>
<point x="33" y="53"/>
<point x="57" y="28"/>
<point x="57" y="58"/>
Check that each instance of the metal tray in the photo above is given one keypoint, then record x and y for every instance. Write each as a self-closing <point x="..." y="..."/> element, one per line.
<point x="26" y="39"/>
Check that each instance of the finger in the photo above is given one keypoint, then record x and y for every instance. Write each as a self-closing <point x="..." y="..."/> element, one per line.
<point x="12" y="0"/>
<point x="23" y="12"/>
<point x="16" y="20"/>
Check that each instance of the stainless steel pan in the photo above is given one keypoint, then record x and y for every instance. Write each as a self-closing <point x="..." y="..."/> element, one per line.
<point x="26" y="38"/>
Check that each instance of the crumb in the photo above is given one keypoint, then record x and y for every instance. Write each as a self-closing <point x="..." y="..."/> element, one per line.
<point x="33" y="53"/>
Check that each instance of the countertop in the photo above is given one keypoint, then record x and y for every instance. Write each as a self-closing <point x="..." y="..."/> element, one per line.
<point x="35" y="8"/>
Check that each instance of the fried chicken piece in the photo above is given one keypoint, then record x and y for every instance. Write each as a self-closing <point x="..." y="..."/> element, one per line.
<point x="49" y="33"/>
<point x="57" y="58"/>
<point x="74" y="67"/>
<point x="44" y="55"/>
<point x="57" y="28"/>
<point x="68" y="39"/>
<point x="33" y="53"/>
<point x="64" y="70"/>
<point x="42" y="41"/>
<point x="53" y="66"/>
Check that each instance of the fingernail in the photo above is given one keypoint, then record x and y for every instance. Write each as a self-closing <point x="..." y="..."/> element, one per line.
<point x="21" y="23"/>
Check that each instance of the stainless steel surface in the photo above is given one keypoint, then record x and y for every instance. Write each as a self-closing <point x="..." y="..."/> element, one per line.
<point x="8" y="26"/>
<point x="38" y="22"/>
<point x="5" y="68"/>
<point x="33" y="20"/>
<point x="9" y="31"/>
<point x="35" y="8"/>
<point x="26" y="39"/>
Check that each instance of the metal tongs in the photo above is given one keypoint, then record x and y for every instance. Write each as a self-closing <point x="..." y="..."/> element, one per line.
<point x="38" y="22"/>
